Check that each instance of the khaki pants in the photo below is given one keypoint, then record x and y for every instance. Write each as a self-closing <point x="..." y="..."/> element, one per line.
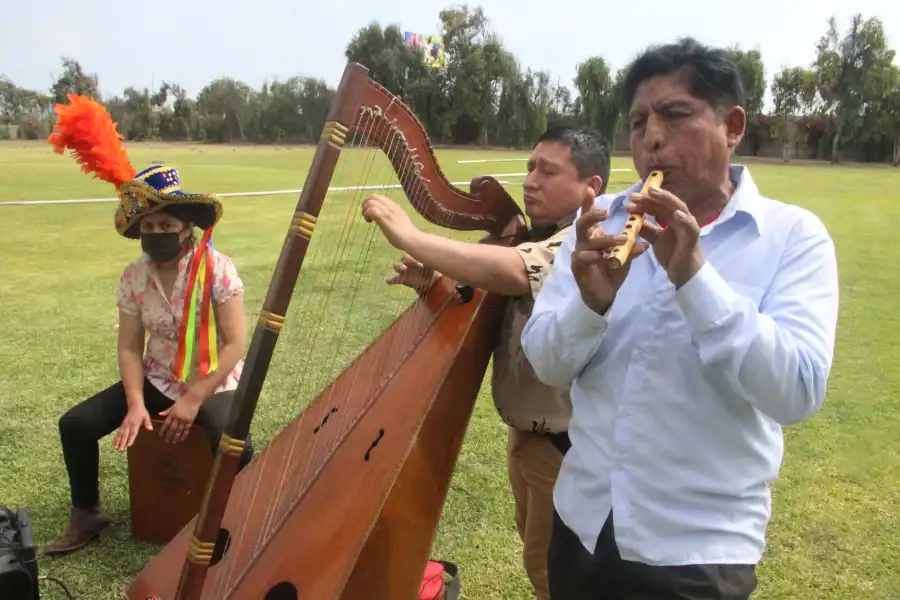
<point x="534" y="463"/>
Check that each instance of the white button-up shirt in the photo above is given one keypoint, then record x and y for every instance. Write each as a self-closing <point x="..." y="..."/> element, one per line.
<point x="678" y="397"/>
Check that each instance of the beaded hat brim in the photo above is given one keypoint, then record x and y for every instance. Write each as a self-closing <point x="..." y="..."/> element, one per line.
<point x="155" y="189"/>
<point x="137" y="200"/>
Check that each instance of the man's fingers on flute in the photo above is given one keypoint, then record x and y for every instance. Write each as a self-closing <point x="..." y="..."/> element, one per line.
<point x="659" y="203"/>
<point x="684" y="223"/>
<point x="587" y="257"/>
<point x="638" y="249"/>
<point x="650" y="231"/>
<point x="667" y="199"/>
<point x="587" y="221"/>
<point x="601" y="242"/>
<point x="644" y="204"/>
<point x="595" y="251"/>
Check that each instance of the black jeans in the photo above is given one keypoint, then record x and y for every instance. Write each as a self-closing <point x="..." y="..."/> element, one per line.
<point x="575" y="574"/>
<point x="82" y="426"/>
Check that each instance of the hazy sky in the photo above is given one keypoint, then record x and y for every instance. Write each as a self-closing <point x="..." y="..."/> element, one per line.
<point x="192" y="42"/>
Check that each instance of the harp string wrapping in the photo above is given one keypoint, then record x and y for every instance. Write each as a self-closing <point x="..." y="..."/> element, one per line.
<point x="309" y="456"/>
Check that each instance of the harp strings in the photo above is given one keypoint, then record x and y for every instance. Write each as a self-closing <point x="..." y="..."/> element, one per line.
<point x="331" y="416"/>
<point x="302" y="453"/>
<point x="313" y="295"/>
<point x="307" y="458"/>
<point x="342" y="414"/>
<point x="407" y="174"/>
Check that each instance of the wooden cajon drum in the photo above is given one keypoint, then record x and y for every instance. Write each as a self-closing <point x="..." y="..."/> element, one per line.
<point x="166" y="482"/>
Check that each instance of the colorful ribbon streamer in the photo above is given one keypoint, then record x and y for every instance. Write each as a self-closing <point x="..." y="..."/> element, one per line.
<point x="200" y="281"/>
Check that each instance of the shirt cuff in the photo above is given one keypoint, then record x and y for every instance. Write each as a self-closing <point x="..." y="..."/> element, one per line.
<point x="579" y="321"/>
<point x="706" y="299"/>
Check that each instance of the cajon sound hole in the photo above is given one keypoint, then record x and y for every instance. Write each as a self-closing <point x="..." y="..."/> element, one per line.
<point x="282" y="591"/>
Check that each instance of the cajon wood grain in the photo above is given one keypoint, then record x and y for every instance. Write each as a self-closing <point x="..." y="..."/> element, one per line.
<point x="166" y="482"/>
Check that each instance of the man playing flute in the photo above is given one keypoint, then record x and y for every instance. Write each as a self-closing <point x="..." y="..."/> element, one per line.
<point x="686" y="362"/>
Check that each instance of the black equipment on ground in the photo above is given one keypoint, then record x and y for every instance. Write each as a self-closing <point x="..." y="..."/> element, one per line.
<point x="18" y="560"/>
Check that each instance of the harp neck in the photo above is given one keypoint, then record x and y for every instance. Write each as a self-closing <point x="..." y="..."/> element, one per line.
<point x="370" y="110"/>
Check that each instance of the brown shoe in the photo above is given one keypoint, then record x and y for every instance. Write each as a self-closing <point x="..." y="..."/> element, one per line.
<point x="84" y="526"/>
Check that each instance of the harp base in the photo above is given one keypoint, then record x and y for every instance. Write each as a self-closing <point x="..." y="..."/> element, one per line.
<point x="166" y="482"/>
<point x="397" y="550"/>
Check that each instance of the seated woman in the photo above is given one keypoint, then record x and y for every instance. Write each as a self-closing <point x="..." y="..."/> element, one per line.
<point x="174" y="277"/>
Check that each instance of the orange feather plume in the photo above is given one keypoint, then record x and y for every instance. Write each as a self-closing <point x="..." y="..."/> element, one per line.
<point x="85" y="127"/>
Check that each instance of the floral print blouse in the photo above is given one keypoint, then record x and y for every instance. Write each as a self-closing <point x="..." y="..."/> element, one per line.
<point x="140" y="293"/>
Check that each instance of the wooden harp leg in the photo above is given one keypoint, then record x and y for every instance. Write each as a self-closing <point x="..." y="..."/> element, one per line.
<point x="203" y="544"/>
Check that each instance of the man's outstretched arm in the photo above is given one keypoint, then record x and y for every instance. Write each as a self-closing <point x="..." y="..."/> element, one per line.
<point x="498" y="269"/>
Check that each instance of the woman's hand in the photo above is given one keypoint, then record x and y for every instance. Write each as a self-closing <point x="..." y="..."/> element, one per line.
<point x="136" y="418"/>
<point x="179" y="417"/>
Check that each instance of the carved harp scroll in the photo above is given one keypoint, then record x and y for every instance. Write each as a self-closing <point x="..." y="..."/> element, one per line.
<point x="344" y="502"/>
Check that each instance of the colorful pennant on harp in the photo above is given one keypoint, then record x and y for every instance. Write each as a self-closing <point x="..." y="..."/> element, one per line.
<point x="200" y="282"/>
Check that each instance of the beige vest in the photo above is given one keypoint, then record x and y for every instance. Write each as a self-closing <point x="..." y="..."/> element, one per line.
<point x="523" y="401"/>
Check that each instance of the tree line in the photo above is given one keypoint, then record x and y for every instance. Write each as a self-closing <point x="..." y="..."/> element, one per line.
<point x="845" y="105"/>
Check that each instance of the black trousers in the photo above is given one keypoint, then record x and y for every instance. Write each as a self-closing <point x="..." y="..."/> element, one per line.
<point x="82" y="426"/>
<point x="575" y="574"/>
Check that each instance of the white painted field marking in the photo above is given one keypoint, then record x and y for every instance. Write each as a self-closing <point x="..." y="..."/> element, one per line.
<point x="297" y="191"/>
<point x="250" y="194"/>
<point x="487" y="160"/>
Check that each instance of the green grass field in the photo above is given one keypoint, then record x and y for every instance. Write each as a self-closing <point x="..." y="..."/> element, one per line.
<point x="834" y="533"/>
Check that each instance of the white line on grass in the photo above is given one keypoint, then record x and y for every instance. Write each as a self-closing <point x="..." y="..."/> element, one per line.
<point x="280" y="192"/>
<point x="248" y="194"/>
<point x="487" y="160"/>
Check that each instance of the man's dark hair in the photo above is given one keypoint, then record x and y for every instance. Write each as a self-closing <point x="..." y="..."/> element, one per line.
<point x="710" y="73"/>
<point x="589" y="149"/>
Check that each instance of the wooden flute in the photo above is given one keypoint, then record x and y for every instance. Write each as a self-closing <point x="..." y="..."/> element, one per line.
<point x="617" y="255"/>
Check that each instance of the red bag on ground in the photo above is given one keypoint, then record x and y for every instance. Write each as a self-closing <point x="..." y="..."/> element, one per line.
<point x="435" y="586"/>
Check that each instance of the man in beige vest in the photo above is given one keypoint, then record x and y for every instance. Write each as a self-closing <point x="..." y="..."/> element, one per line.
<point x="566" y="166"/>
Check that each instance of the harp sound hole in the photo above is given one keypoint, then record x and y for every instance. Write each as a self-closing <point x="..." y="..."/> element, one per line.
<point x="223" y="540"/>
<point x="282" y="591"/>
<point x="325" y="420"/>
<point x="375" y="443"/>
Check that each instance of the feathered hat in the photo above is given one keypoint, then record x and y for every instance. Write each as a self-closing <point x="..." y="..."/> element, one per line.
<point x="85" y="127"/>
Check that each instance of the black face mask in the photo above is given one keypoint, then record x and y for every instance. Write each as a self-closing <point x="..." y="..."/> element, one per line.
<point x="161" y="247"/>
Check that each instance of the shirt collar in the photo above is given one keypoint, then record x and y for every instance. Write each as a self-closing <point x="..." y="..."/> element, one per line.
<point x="746" y="198"/>
<point x="539" y="234"/>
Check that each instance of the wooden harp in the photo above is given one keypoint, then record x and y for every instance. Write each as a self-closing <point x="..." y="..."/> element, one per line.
<point x="345" y="501"/>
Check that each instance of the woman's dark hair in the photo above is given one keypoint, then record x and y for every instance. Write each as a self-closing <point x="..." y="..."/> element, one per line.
<point x="710" y="73"/>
